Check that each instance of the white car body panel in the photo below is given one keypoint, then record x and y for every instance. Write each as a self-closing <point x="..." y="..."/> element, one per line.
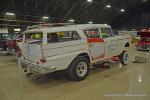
<point x="65" y="54"/>
<point x="32" y="52"/>
<point x="115" y="45"/>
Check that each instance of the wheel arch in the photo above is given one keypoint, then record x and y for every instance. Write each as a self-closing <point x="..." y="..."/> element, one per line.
<point x="127" y="44"/>
<point x="84" y="55"/>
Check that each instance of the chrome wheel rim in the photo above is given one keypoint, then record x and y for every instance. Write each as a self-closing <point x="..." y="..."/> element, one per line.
<point x="81" y="69"/>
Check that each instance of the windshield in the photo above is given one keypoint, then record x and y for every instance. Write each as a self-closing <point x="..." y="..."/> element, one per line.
<point x="33" y="37"/>
<point x="146" y="39"/>
<point x="16" y="36"/>
<point x="144" y="34"/>
<point x="3" y="36"/>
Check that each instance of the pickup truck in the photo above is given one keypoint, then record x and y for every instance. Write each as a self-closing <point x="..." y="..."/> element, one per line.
<point x="73" y="48"/>
<point x="12" y="45"/>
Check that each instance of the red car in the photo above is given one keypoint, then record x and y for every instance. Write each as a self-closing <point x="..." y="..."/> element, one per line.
<point x="12" y="46"/>
<point x="144" y="42"/>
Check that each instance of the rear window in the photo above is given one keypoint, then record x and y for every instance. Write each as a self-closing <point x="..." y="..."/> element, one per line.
<point x="34" y="37"/>
<point x="62" y="36"/>
<point x="144" y="34"/>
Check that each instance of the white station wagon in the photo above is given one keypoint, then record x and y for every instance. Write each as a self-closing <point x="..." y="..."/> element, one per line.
<point x="49" y="48"/>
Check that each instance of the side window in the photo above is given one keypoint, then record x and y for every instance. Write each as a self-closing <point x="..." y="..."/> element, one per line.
<point x="62" y="36"/>
<point x="106" y="32"/>
<point x="92" y="33"/>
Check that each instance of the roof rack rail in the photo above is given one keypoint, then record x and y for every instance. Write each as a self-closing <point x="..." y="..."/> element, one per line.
<point x="46" y="25"/>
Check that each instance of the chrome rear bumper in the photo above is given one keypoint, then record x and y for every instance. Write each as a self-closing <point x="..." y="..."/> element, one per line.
<point x="36" y="68"/>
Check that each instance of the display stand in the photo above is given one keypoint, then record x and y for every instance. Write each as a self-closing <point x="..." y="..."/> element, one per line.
<point x="142" y="57"/>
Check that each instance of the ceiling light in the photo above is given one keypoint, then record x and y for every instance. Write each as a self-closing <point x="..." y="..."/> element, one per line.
<point x="122" y="10"/>
<point x="144" y="0"/>
<point x="71" y="20"/>
<point x="45" y="17"/>
<point x="17" y="29"/>
<point x="90" y="22"/>
<point x="89" y="0"/>
<point x="108" y="6"/>
<point x="12" y="14"/>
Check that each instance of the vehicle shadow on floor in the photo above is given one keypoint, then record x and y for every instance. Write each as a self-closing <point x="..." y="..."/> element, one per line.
<point x="62" y="77"/>
<point x="7" y="57"/>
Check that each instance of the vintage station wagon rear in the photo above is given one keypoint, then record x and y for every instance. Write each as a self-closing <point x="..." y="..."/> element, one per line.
<point x="72" y="48"/>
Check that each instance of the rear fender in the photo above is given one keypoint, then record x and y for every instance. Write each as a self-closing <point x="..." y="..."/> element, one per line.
<point x="62" y="62"/>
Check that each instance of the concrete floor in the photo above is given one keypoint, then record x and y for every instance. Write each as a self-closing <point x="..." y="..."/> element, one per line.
<point x="130" y="82"/>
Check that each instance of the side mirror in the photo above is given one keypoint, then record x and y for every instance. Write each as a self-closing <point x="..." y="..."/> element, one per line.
<point x="94" y="40"/>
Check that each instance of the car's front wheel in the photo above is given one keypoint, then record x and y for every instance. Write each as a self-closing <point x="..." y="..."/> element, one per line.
<point x="79" y="69"/>
<point x="124" y="57"/>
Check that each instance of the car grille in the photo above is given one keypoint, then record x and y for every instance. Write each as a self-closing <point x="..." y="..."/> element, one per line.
<point x="144" y="46"/>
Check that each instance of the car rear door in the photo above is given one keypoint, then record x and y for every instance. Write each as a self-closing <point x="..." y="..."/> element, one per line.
<point x="96" y="44"/>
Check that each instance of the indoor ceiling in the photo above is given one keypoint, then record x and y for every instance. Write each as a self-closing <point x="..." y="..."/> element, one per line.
<point x="81" y="11"/>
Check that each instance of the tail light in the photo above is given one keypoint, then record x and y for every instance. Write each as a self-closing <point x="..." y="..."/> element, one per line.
<point x="43" y="60"/>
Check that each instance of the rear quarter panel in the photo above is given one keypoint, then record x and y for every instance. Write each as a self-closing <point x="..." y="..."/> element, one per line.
<point x="60" y="55"/>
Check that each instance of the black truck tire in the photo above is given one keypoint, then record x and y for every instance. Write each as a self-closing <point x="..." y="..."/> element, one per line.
<point x="78" y="69"/>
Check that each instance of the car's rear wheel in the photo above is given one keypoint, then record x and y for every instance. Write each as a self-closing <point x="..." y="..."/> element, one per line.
<point x="124" y="57"/>
<point x="79" y="69"/>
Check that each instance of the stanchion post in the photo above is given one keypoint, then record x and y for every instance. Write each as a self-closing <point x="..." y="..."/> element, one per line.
<point x="20" y="79"/>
